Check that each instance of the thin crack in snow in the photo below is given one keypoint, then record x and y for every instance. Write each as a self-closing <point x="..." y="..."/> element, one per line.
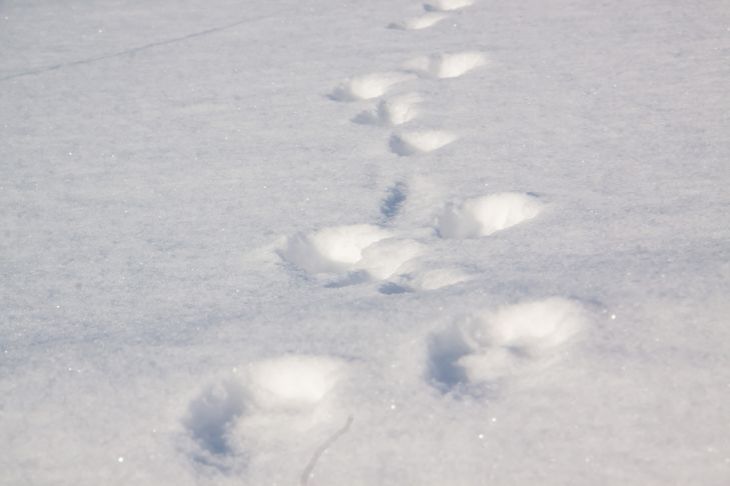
<point x="132" y="50"/>
<point x="307" y="473"/>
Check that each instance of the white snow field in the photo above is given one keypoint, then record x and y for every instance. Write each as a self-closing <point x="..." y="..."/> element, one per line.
<point x="347" y="242"/>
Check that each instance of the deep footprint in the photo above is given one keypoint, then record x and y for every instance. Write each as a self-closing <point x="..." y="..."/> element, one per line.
<point x="482" y="216"/>
<point x="360" y="252"/>
<point x="210" y="418"/>
<point x="394" y="200"/>
<point x="485" y="347"/>
<point x="445" y="65"/>
<point x="394" y="111"/>
<point x="368" y="86"/>
<point x="420" y="141"/>
<point x="421" y="22"/>
<point x="431" y="279"/>
<point x="269" y="401"/>
<point x="331" y="250"/>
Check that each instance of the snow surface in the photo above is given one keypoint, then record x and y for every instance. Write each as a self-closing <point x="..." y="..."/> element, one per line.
<point x="364" y="242"/>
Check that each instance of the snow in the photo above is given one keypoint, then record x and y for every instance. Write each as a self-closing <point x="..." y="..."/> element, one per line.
<point x="445" y="5"/>
<point x="332" y="249"/>
<point x="368" y="86"/>
<point x="337" y="242"/>
<point x="420" y="22"/>
<point x="394" y="111"/>
<point x="482" y="349"/>
<point x="446" y="65"/>
<point x="482" y="216"/>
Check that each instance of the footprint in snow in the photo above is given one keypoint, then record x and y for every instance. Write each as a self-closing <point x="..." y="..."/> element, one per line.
<point x="446" y="5"/>
<point x="285" y="400"/>
<point x="368" y="86"/>
<point x="482" y="216"/>
<point x="421" y="22"/>
<point x="391" y="112"/>
<point x="420" y="141"/>
<point x="445" y="66"/>
<point x="424" y="280"/>
<point x="484" y="348"/>
<point x="354" y="253"/>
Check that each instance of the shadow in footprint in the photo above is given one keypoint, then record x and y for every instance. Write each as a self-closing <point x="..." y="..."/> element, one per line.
<point x="394" y="200"/>
<point x="391" y="288"/>
<point x="210" y="418"/>
<point x="448" y="376"/>
<point x="484" y="349"/>
<point x="444" y="351"/>
<point x="394" y="111"/>
<point x="399" y="147"/>
<point x="365" y="118"/>
<point x="352" y="278"/>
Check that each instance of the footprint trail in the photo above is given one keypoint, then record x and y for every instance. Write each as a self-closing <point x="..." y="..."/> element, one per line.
<point x="289" y="407"/>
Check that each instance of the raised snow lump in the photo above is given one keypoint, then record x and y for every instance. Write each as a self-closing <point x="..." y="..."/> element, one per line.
<point x="292" y="381"/>
<point x="485" y="215"/>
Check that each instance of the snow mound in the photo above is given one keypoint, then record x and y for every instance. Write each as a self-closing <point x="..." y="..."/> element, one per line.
<point x="488" y="346"/>
<point x="446" y="5"/>
<point x="446" y="65"/>
<point x="367" y="86"/>
<point x="292" y="382"/>
<point x="422" y="141"/>
<point x="485" y="215"/>
<point x="421" y="22"/>
<point x="395" y="111"/>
